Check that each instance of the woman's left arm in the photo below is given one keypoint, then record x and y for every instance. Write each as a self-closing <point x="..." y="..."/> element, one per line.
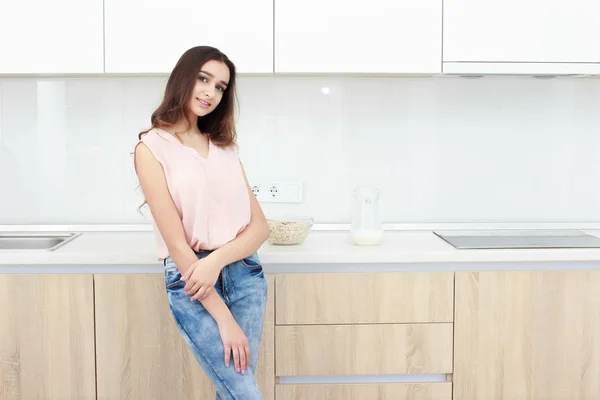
<point x="204" y="272"/>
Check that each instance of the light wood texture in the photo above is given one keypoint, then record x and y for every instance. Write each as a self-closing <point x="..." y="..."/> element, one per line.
<point x="387" y="391"/>
<point x="527" y="335"/>
<point x="305" y="350"/>
<point x="142" y="355"/>
<point x="364" y="298"/>
<point x="265" y="370"/>
<point x="47" y="337"/>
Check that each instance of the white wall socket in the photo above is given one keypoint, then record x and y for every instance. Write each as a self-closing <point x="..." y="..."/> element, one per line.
<point x="277" y="192"/>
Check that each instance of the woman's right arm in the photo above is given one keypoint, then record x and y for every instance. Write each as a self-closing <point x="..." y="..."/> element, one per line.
<point x="165" y="214"/>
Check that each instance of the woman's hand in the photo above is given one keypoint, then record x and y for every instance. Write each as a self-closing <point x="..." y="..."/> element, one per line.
<point x="200" y="278"/>
<point x="235" y="341"/>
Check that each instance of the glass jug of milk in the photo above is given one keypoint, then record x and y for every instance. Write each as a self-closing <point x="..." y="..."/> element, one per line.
<point x="366" y="226"/>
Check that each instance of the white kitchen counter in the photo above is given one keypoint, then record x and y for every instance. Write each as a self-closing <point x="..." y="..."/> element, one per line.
<point x="324" y="251"/>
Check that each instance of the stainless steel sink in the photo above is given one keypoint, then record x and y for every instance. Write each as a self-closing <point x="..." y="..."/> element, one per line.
<point x="35" y="241"/>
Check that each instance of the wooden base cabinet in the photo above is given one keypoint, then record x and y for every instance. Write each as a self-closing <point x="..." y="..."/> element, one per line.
<point x="341" y="325"/>
<point x="142" y="355"/>
<point x="511" y="335"/>
<point x="47" y="337"/>
<point x="527" y="335"/>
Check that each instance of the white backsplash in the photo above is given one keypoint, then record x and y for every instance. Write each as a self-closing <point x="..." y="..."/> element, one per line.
<point x="439" y="149"/>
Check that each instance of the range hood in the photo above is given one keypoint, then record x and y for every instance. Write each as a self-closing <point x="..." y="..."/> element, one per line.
<point x="518" y="239"/>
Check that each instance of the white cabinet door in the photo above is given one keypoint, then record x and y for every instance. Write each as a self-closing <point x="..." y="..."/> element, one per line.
<point x="58" y="36"/>
<point x="354" y="36"/>
<point x="149" y="36"/>
<point x="524" y="31"/>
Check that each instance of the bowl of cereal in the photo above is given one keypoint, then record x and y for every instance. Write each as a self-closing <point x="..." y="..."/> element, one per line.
<point x="287" y="231"/>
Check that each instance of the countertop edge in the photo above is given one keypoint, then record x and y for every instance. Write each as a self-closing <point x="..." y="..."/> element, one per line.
<point x="313" y="267"/>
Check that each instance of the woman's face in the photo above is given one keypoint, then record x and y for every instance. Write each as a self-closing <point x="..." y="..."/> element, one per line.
<point x="211" y="82"/>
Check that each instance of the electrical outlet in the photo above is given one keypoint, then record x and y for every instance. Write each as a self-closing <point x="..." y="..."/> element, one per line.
<point x="278" y="192"/>
<point x="273" y="191"/>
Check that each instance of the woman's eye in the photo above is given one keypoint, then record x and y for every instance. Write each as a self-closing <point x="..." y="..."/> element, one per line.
<point x="221" y="88"/>
<point x="203" y="79"/>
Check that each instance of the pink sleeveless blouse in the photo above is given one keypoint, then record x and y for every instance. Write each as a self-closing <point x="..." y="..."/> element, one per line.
<point x="210" y="193"/>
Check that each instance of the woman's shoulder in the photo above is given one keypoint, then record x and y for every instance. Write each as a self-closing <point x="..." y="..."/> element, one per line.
<point x="152" y="143"/>
<point x="158" y="140"/>
<point x="151" y="135"/>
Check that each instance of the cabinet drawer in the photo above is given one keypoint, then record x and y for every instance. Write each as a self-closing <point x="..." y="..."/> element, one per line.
<point x="306" y="350"/>
<point x="386" y="391"/>
<point x="364" y="298"/>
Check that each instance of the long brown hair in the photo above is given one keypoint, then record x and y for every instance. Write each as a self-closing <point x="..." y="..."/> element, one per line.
<point x="219" y="125"/>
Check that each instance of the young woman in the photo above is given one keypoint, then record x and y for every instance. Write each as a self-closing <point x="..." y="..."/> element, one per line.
<point x="207" y="222"/>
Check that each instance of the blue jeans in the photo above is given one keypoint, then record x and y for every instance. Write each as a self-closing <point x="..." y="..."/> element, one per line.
<point x="243" y="288"/>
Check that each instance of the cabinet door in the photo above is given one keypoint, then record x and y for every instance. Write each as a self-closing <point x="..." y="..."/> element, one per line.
<point x="527" y="335"/>
<point x="59" y="36"/>
<point x="532" y="31"/>
<point x="140" y="352"/>
<point x="337" y="36"/>
<point x="378" y="349"/>
<point x="47" y="337"/>
<point x="150" y="36"/>
<point x="331" y="298"/>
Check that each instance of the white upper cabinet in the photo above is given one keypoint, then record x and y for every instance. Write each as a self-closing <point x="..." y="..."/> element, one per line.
<point x="535" y="35"/>
<point x="149" y="36"/>
<point x="354" y="36"/>
<point x="58" y="36"/>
